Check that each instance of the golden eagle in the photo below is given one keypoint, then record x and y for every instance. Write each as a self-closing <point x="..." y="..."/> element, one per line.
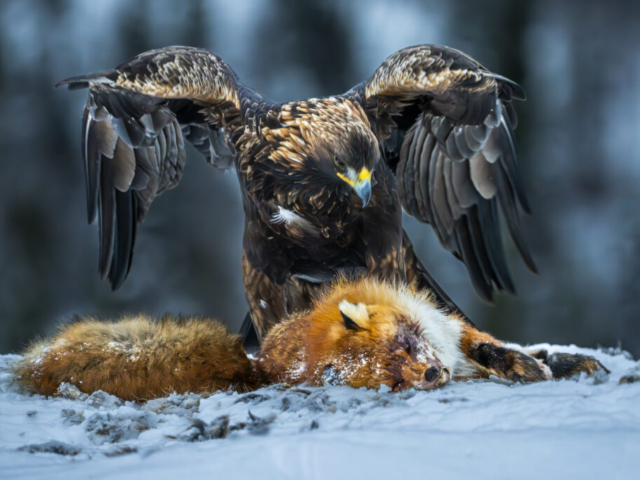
<point x="323" y="180"/>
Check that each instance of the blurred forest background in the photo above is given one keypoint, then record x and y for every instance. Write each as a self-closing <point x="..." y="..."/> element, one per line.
<point x="579" y="140"/>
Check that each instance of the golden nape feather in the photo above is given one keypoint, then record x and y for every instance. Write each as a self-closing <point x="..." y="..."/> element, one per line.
<point x="314" y="127"/>
<point x="361" y="333"/>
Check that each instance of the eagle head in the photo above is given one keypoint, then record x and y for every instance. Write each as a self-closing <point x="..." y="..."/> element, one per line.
<point x="328" y="141"/>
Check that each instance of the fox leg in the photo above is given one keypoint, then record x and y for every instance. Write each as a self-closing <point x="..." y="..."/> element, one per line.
<point x="491" y="357"/>
<point x="566" y="365"/>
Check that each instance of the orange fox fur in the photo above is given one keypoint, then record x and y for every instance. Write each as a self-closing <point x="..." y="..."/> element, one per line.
<point x="137" y="358"/>
<point x="362" y="333"/>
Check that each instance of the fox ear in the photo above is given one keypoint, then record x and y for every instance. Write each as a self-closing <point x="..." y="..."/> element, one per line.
<point x="354" y="316"/>
<point x="349" y="324"/>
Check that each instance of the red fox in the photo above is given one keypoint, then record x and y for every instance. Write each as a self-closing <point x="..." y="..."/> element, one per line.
<point x="362" y="333"/>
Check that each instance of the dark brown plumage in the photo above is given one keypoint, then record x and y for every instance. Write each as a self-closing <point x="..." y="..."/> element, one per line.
<point x="323" y="180"/>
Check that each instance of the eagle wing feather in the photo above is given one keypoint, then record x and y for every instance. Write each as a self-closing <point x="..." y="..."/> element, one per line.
<point x="457" y="162"/>
<point x="134" y="127"/>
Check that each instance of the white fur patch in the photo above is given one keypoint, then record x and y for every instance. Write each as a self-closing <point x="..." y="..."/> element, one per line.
<point x="443" y="333"/>
<point x="358" y="313"/>
<point x="548" y="374"/>
<point x="289" y="217"/>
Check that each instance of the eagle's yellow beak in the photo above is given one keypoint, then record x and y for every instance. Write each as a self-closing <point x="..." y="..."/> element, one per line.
<point x="361" y="183"/>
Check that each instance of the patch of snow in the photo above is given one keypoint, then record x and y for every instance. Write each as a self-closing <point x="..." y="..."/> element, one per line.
<point x="582" y="428"/>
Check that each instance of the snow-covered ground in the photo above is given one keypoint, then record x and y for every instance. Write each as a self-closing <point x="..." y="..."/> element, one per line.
<point x="582" y="428"/>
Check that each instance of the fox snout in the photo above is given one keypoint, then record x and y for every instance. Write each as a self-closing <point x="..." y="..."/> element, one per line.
<point x="435" y="375"/>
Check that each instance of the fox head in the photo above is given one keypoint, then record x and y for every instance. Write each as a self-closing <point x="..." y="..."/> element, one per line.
<point x="364" y="335"/>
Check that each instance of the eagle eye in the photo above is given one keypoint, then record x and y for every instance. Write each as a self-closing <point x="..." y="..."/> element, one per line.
<point x="341" y="164"/>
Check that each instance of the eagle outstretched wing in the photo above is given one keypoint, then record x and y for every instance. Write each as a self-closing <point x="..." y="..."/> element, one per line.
<point x="134" y="125"/>
<point x="447" y="124"/>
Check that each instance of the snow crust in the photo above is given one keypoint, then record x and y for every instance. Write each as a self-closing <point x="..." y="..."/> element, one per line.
<point x="581" y="428"/>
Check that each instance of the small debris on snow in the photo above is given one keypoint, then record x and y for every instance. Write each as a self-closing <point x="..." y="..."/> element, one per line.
<point x="71" y="417"/>
<point x="452" y="399"/>
<point x="260" y="426"/>
<point x="252" y="398"/>
<point x="102" y="399"/>
<point x="200" y="431"/>
<point x="52" y="446"/>
<point x="123" y="425"/>
<point x="71" y="392"/>
<point x="631" y="378"/>
<point x="120" y="450"/>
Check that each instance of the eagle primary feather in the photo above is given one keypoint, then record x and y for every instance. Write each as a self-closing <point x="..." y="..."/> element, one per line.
<point x="431" y="132"/>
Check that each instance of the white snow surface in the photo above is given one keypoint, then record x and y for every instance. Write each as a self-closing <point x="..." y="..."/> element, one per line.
<point x="581" y="428"/>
